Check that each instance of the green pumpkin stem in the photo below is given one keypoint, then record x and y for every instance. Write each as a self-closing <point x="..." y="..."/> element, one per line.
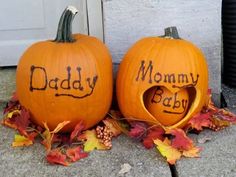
<point x="171" y="32"/>
<point x="64" y="31"/>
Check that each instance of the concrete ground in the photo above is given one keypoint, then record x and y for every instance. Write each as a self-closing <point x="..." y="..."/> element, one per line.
<point x="218" y="158"/>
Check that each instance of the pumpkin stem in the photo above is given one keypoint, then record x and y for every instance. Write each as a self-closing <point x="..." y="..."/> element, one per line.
<point x="64" y="31"/>
<point x="171" y="32"/>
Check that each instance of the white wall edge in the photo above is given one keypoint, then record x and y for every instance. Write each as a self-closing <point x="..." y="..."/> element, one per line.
<point x="95" y="18"/>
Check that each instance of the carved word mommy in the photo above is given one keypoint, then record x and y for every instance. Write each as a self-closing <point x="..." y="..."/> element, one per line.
<point x="65" y="84"/>
<point x="145" y="71"/>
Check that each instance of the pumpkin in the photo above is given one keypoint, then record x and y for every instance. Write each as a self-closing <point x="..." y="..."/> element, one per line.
<point x="66" y="79"/>
<point x="166" y="61"/>
<point x="166" y="107"/>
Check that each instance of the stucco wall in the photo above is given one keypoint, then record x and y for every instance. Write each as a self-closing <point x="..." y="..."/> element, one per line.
<point x="199" y="21"/>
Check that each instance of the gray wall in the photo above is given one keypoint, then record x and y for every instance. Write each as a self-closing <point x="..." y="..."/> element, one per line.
<point x="199" y="21"/>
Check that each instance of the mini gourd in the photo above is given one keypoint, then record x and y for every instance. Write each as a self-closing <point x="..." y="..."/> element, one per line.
<point x="168" y="62"/>
<point x="66" y="79"/>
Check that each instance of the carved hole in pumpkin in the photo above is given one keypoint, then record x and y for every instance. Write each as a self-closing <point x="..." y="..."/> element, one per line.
<point x="167" y="107"/>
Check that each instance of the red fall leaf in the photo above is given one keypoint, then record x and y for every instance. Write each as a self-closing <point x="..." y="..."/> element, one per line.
<point x="55" y="156"/>
<point x="201" y="120"/>
<point x="138" y="130"/>
<point x="12" y="104"/>
<point x="75" y="154"/>
<point x="77" y="131"/>
<point x="153" y="134"/>
<point x="180" y="140"/>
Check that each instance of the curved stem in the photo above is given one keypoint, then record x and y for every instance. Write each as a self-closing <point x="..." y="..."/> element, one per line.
<point x="171" y="32"/>
<point x="64" y="31"/>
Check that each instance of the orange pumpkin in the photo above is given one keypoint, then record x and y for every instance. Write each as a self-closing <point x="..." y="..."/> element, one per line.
<point x="66" y="79"/>
<point x="166" y="107"/>
<point x="166" y="61"/>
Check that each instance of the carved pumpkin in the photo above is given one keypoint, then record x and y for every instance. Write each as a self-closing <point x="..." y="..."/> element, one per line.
<point x="166" y="61"/>
<point x="166" y="107"/>
<point x="66" y="79"/>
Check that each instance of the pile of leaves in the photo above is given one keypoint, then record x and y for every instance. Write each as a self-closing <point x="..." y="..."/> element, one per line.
<point x="61" y="148"/>
<point x="65" y="149"/>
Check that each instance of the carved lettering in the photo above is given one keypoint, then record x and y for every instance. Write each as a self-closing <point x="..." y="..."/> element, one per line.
<point x="178" y="80"/>
<point x="144" y="72"/>
<point x="42" y="70"/>
<point x="66" y="84"/>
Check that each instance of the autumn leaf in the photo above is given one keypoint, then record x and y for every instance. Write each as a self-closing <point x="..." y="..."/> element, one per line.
<point x="138" y="130"/>
<point x="48" y="135"/>
<point x="154" y="133"/>
<point x="92" y="142"/>
<point x="18" y="119"/>
<point x="77" y="131"/>
<point x="75" y="154"/>
<point x="21" y="141"/>
<point x="60" y="126"/>
<point x="193" y="152"/>
<point x="218" y="123"/>
<point x="113" y="126"/>
<point x="225" y="115"/>
<point x="12" y="113"/>
<point x="167" y="150"/>
<point x="12" y="104"/>
<point x="22" y="121"/>
<point x="180" y="140"/>
<point x="9" y="119"/>
<point x="201" y="120"/>
<point x="55" y="156"/>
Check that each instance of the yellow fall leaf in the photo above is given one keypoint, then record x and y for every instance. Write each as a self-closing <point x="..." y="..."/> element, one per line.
<point x="193" y="152"/>
<point x="60" y="126"/>
<point x="10" y="114"/>
<point x="48" y="135"/>
<point x="167" y="150"/>
<point x="21" y="141"/>
<point x="92" y="142"/>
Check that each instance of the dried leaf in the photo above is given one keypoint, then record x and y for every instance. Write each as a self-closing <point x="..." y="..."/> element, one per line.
<point x="167" y="150"/>
<point x="12" y="104"/>
<point x="193" y="152"/>
<point x="201" y="120"/>
<point x="22" y="121"/>
<point x="75" y="154"/>
<point x="14" y="112"/>
<point x="226" y="115"/>
<point x="155" y="133"/>
<point x="18" y="119"/>
<point x="92" y="142"/>
<point x="77" y="131"/>
<point x="55" y="156"/>
<point x="138" y="130"/>
<point x="113" y="126"/>
<point x="48" y="136"/>
<point x="180" y="140"/>
<point x="60" y="126"/>
<point x="218" y="123"/>
<point x="21" y="141"/>
<point x="47" y="141"/>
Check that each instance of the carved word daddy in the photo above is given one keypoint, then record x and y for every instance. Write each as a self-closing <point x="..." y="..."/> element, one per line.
<point x="65" y="84"/>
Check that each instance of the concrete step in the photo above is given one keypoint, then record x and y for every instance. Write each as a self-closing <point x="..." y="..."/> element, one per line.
<point x="7" y="83"/>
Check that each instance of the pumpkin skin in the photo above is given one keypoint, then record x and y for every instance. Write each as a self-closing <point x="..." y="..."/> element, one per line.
<point x="161" y="61"/>
<point x="166" y="107"/>
<point x="66" y="81"/>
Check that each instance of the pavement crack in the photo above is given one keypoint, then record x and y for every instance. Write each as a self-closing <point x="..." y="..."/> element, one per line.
<point x="173" y="170"/>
